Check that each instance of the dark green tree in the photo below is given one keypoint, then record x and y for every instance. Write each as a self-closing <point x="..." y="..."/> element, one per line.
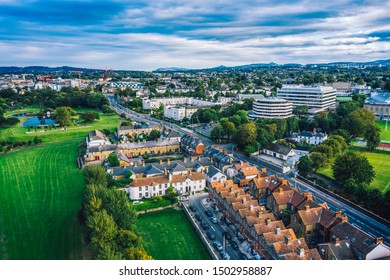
<point x="305" y="165"/>
<point x="113" y="160"/>
<point x="372" y="136"/>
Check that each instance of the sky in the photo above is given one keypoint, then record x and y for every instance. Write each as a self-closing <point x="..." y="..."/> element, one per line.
<point x="145" y="35"/>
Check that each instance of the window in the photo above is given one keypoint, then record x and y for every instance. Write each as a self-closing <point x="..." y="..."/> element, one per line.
<point x="140" y="189"/>
<point x="146" y="194"/>
<point x="160" y="187"/>
<point x="140" y="195"/>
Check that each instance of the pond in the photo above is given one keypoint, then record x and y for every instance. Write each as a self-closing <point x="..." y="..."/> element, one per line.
<point x="36" y="121"/>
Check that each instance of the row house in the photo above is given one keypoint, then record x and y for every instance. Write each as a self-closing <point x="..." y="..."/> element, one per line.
<point x="152" y="186"/>
<point x="192" y="145"/>
<point x="220" y="157"/>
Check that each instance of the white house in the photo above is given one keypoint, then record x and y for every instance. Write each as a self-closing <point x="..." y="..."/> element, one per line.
<point x="96" y="138"/>
<point x="278" y="151"/>
<point x="312" y="138"/>
<point x="215" y="175"/>
<point x="157" y="185"/>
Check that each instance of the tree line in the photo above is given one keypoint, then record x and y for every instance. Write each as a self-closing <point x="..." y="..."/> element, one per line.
<point x="110" y="219"/>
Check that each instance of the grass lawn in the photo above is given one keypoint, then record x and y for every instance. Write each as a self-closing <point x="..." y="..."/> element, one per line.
<point x="385" y="135"/>
<point x="379" y="159"/>
<point x="168" y="235"/>
<point x="19" y="133"/>
<point x="41" y="191"/>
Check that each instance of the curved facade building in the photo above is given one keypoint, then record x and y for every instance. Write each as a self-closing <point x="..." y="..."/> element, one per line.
<point x="271" y="108"/>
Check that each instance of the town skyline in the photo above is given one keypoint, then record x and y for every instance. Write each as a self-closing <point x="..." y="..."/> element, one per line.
<point x="197" y="35"/>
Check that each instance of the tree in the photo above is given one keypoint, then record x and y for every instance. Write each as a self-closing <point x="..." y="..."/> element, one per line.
<point x="360" y="98"/>
<point x="354" y="166"/>
<point x="372" y="136"/>
<point x="345" y="109"/>
<point x="217" y="133"/>
<point x="236" y="120"/>
<point x="89" y="116"/>
<point x="136" y="253"/>
<point x="301" y="111"/>
<point x="102" y="227"/>
<point x="246" y="134"/>
<point x="96" y="174"/>
<point x="108" y="252"/>
<point x="154" y="134"/>
<point x="357" y="121"/>
<point x="343" y="133"/>
<point x="229" y="128"/>
<point x="113" y="160"/>
<point x="318" y="159"/>
<point x="106" y="109"/>
<point x="170" y="194"/>
<point x="305" y="165"/>
<point x="37" y="140"/>
<point x="243" y="115"/>
<point x="63" y="115"/>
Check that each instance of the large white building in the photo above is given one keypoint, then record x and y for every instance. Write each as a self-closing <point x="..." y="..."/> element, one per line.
<point x="148" y="104"/>
<point x="178" y="113"/>
<point x="271" y="108"/>
<point x="316" y="98"/>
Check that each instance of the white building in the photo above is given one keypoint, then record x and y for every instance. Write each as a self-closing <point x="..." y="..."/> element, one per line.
<point x="176" y="113"/>
<point x="310" y="137"/>
<point x="271" y="108"/>
<point x="215" y="175"/>
<point x="96" y="138"/>
<point x="316" y="98"/>
<point x="157" y="185"/>
<point x="148" y="104"/>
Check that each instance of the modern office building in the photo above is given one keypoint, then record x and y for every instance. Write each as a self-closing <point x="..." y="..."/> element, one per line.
<point x="316" y="98"/>
<point x="271" y="108"/>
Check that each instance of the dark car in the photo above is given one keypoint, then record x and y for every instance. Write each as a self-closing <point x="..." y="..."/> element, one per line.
<point x="211" y="235"/>
<point x="234" y="245"/>
<point x="193" y="208"/>
<point x="227" y="235"/>
<point x="208" y="213"/>
<point x="205" y="226"/>
<point x="198" y="217"/>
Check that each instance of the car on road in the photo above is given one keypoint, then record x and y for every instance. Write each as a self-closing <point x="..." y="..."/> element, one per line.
<point x="214" y="220"/>
<point x="227" y="235"/>
<point x="234" y="245"/>
<point x="183" y="199"/>
<point x="224" y="255"/>
<point x="198" y="217"/>
<point x="205" y="226"/>
<point x="211" y="235"/>
<point x="218" y="246"/>
<point x="239" y="236"/>
<point x="193" y="208"/>
<point x="208" y="213"/>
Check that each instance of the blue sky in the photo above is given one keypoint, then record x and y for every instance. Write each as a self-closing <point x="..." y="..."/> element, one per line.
<point x="145" y="35"/>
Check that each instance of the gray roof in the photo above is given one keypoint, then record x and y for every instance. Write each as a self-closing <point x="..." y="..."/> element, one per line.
<point x="379" y="98"/>
<point x="213" y="171"/>
<point x="340" y="249"/>
<point x="310" y="134"/>
<point x="277" y="148"/>
<point x="96" y="135"/>
<point x="190" y="141"/>
<point x="177" y="167"/>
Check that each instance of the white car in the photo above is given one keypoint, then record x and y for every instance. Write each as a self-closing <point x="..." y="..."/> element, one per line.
<point x="183" y="199"/>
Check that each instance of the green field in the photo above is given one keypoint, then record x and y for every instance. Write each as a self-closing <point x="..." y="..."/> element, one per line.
<point x="41" y="191"/>
<point x="20" y="133"/>
<point x="385" y="134"/>
<point x="379" y="159"/>
<point x="168" y="235"/>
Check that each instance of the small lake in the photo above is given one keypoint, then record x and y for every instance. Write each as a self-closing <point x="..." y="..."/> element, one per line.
<point x="36" y="121"/>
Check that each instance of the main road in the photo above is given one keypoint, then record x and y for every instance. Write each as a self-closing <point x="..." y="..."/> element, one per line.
<point x="355" y="217"/>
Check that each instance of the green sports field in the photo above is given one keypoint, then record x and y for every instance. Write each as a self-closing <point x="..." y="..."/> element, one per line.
<point x="385" y="133"/>
<point x="168" y="235"/>
<point x="41" y="191"/>
<point x="379" y="159"/>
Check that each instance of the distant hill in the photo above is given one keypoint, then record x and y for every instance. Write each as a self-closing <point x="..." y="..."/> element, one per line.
<point x="172" y="69"/>
<point x="42" y="69"/>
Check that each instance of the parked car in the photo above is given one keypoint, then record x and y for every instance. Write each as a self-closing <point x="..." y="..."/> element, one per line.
<point x="225" y="255"/>
<point x="239" y="236"/>
<point x="208" y="213"/>
<point x="234" y="245"/>
<point x="254" y="254"/>
<point x="193" y="208"/>
<point x="205" y="226"/>
<point x="227" y="235"/>
<point x="198" y="217"/>
<point x="183" y="199"/>
<point x="214" y="220"/>
<point x="215" y="208"/>
<point x="218" y="246"/>
<point x="211" y="235"/>
<point x="137" y="202"/>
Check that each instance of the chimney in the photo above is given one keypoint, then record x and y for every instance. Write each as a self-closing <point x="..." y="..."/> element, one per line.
<point x="192" y="159"/>
<point x="160" y="161"/>
<point x="244" y="200"/>
<point x="314" y="130"/>
<point x="144" y="140"/>
<point x="264" y="170"/>
<point x="338" y="214"/>
<point x="251" y="207"/>
<point x="281" y="190"/>
<point x="221" y="180"/>
<point x="267" y="221"/>
<point x="207" y="169"/>
<point x="378" y="240"/>
<point x="139" y="141"/>
<point x="258" y="176"/>
<point x="344" y="218"/>
<point x="184" y="159"/>
<point x="168" y="161"/>
<point x="307" y="207"/>
<point x="170" y="177"/>
<point x="212" y="146"/>
<point x="220" y="150"/>
<point x="337" y="241"/>
<point x="277" y="230"/>
<point x="225" y="152"/>
<point x="190" y="172"/>
<point x="284" y="182"/>
<point x="301" y="252"/>
<point x="143" y="163"/>
<point x="287" y="239"/>
<point x="165" y="171"/>
<point x="236" y="194"/>
<point x="135" y="164"/>
<point x="198" y="158"/>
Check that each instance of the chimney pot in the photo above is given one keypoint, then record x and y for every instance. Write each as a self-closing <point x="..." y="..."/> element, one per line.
<point x="301" y="252"/>
<point x="281" y="190"/>
<point x="379" y="240"/>
<point x="185" y="159"/>
<point x="307" y="207"/>
<point x="277" y="230"/>
<point x="267" y="221"/>
<point x="287" y="239"/>
<point x="264" y="170"/>
<point x="344" y="218"/>
<point x="251" y="207"/>
<point x="168" y="161"/>
<point x="143" y="163"/>
<point x="337" y="241"/>
<point x="259" y="214"/>
<point x="160" y="161"/>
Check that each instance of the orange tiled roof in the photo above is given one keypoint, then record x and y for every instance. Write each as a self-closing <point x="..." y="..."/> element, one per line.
<point x="250" y="171"/>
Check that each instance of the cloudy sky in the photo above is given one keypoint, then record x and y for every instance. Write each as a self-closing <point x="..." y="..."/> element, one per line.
<point x="145" y="35"/>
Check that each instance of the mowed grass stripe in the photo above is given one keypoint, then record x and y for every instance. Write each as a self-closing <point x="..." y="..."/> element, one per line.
<point x="168" y="235"/>
<point x="41" y="191"/>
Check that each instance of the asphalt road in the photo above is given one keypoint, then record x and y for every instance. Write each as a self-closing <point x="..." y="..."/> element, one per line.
<point x="355" y="217"/>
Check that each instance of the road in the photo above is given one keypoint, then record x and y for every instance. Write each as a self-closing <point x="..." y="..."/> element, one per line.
<point x="355" y="217"/>
<point x="202" y="204"/>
